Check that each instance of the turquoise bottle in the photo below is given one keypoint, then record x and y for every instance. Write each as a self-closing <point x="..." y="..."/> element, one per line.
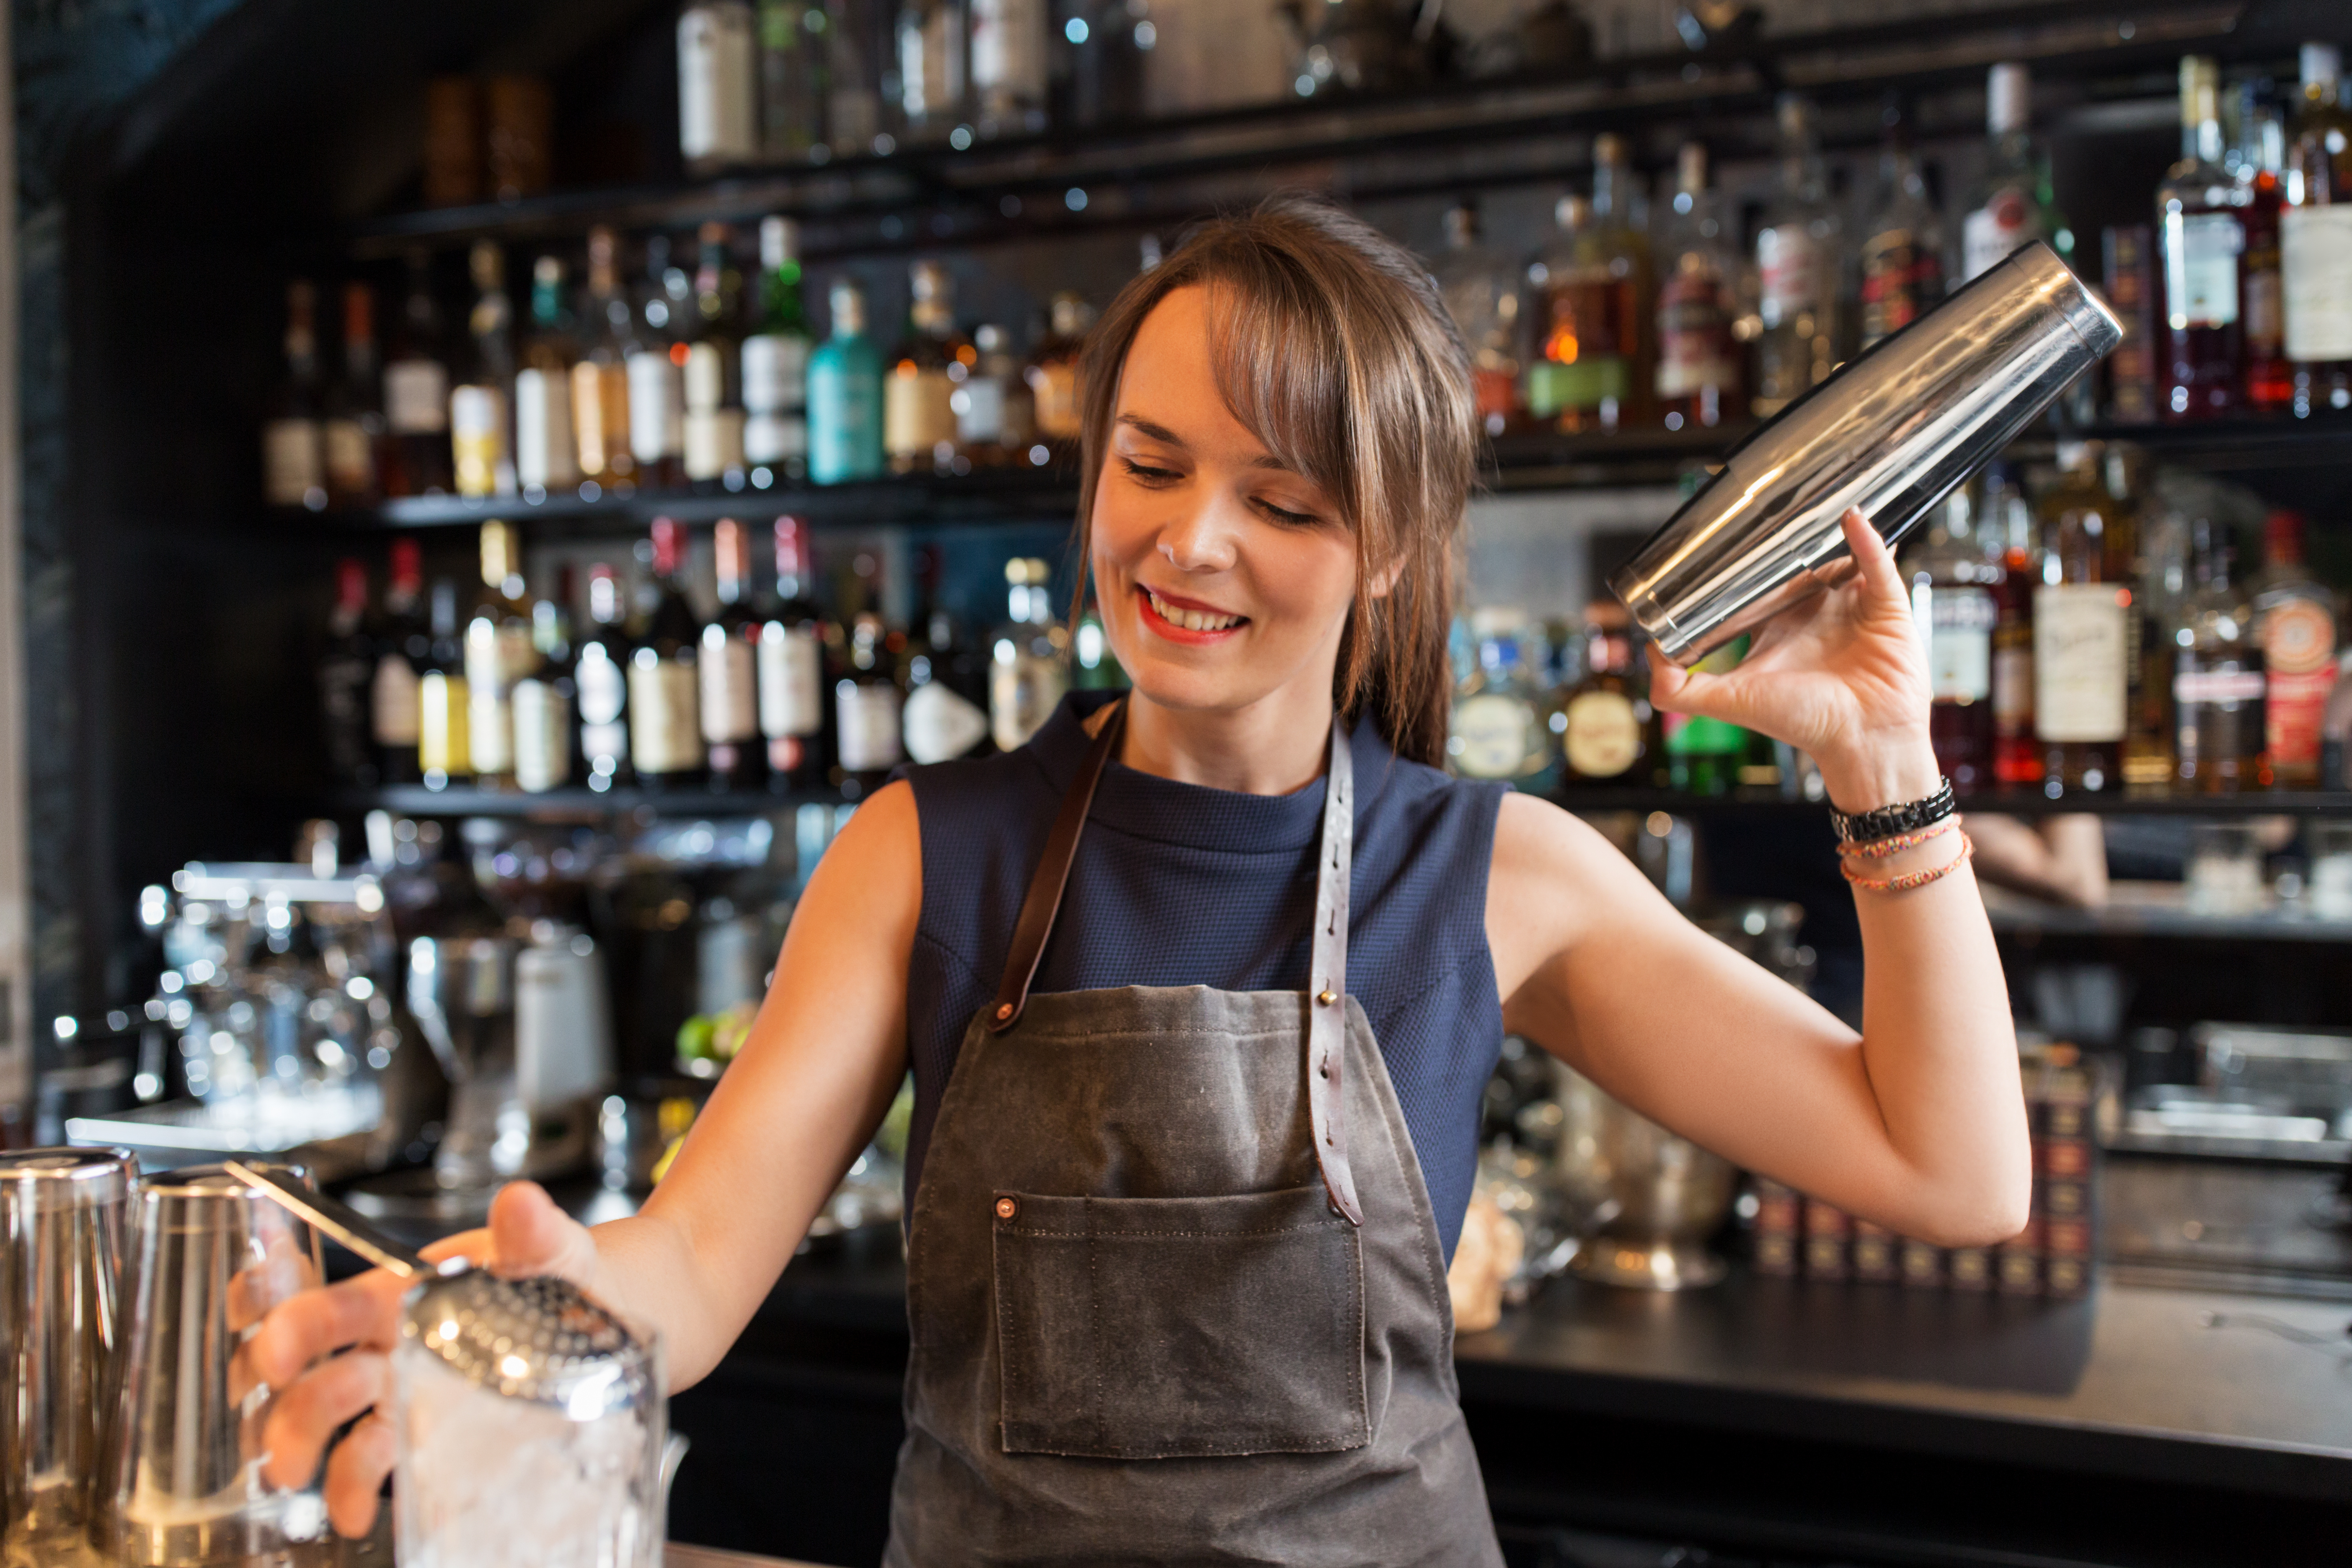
<point x="844" y="396"/>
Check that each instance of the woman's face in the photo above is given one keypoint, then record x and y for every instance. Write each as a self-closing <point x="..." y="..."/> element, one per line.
<point x="1223" y="577"/>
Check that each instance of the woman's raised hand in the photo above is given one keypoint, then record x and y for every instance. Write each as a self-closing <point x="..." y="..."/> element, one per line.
<point x="1841" y="676"/>
<point x="294" y="1351"/>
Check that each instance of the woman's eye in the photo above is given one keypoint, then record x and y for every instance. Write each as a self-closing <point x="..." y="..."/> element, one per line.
<point x="1284" y="515"/>
<point x="1148" y="474"/>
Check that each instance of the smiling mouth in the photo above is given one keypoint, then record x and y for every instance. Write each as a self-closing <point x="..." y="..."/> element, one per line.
<point x="1190" y="620"/>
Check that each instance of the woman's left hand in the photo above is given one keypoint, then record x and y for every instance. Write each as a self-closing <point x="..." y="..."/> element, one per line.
<point x="1841" y="676"/>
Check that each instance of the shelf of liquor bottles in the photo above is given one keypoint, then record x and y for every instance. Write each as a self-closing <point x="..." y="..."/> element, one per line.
<point x="958" y="186"/>
<point x="689" y="804"/>
<point x="1026" y="490"/>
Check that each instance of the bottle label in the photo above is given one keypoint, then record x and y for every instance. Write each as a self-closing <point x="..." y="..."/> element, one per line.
<point x="978" y="407"/>
<point x="770" y="439"/>
<point x="489" y="724"/>
<point x="845" y="439"/>
<point x="542" y="736"/>
<point x="657" y="408"/>
<point x="1055" y="389"/>
<point x="444" y="725"/>
<point x="2265" y="314"/>
<point x="544" y="454"/>
<point x="2080" y="641"/>
<point x="2315" y="277"/>
<point x="1790" y="259"/>
<point x="2224" y="686"/>
<point x="602" y="687"/>
<point x="2008" y="220"/>
<point x="916" y="412"/>
<point x="664" y="736"/>
<point x="866" y="714"/>
<point x="392" y="701"/>
<point x="790" y="694"/>
<point x="715" y="118"/>
<point x="1695" y="347"/>
<point x="1008" y="52"/>
<point x="941" y="724"/>
<point x="292" y="472"/>
<point x="775" y="373"/>
<point x="1604" y="734"/>
<point x="731" y="701"/>
<point x="1899" y="282"/>
<point x="1493" y="735"/>
<point x="1959" y="643"/>
<point x="2013" y="690"/>
<point x="2298" y="641"/>
<point x="2201" y="270"/>
<point x="714" y="443"/>
<point x="477" y="438"/>
<point x="351" y="456"/>
<point x="415" y="398"/>
<point x="600" y="416"/>
<point x="1023" y="691"/>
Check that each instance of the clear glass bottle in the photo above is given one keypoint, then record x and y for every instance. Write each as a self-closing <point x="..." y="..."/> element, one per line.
<point x="855" y="47"/>
<point x="2011" y="205"/>
<point x="2082" y="633"/>
<point x="2161" y="580"/>
<point x="545" y="703"/>
<point x="416" y="394"/>
<point x="1028" y="655"/>
<point x="2316" y="238"/>
<point x="714" y="382"/>
<point x="1698" y="381"/>
<point x="2295" y="627"/>
<point x="994" y="422"/>
<point x="2258" y="162"/>
<point x="1954" y="605"/>
<point x="1481" y="289"/>
<point x="1576" y="377"/>
<point x="946" y="713"/>
<point x="727" y="668"/>
<point x="1799" y="250"/>
<point x="1902" y="240"/>
<point x="599" y="376"/>
<point x="932" y="69"/>
<point x="1497" y="729"/>
<point x="500" y="651"/>
<point x="664" y="722"/>
<point x="2200" y="233"/>
<point x="792" y="636"/>
<point x="1009" y="66"/>
<point x="546" y="459"/>
<point x="718" y="101"/>
<point x="775" y="360"/>
<point x="2217" y="679"/>
<point x="444" y="718"/>
<point x="845" y="395"/>
<point x="656" y="382"/>
<point x="293" y="454"/>
<point x="918" y="421"/>
<point x="481" y="436"/>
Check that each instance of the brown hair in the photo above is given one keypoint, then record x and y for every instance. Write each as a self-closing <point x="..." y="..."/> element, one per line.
<point x="1332" y="347"/>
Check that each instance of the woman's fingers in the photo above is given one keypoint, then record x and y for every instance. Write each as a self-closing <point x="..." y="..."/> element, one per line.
<point x="528" y="1234"/>
<point x="355" y="1475"/>
<point x="1880" y="576"/>
<point x="361" y="1311"/>
<point x="304" y="1416"/>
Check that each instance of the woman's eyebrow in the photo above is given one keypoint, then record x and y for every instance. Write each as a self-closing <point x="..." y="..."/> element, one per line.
<point x="1142" y="427"/>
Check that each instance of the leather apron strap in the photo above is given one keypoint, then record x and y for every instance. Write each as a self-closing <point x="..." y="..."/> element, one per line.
<point x="1327" y="1007"/>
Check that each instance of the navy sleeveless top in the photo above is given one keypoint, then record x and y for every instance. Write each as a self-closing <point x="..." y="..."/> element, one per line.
<point x="1177" y="884"/>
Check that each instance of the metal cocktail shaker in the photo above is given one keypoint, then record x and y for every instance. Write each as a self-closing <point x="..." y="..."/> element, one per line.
<point x="1891" y="433"/>
<point x="62" y="1214"/>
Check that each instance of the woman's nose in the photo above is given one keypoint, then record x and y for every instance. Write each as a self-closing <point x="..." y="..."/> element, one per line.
<point x="1205" y="539"/>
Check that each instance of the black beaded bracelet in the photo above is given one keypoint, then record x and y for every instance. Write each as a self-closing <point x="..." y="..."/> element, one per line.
<point x="1886" y="821"/>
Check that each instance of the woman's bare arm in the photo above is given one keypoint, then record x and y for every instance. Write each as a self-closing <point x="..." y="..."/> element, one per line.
<point x="1918" y="1124"/>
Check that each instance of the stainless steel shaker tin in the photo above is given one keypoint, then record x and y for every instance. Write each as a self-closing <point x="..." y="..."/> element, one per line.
<point x="1891" y="433"/>
<point x="62" y="1218"/>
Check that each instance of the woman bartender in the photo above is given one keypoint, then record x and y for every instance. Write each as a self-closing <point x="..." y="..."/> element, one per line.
<point x="1200" y="989"/>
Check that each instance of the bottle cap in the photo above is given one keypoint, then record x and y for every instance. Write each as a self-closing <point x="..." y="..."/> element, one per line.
<point x="2008" y="101"/>
<point x="848" y="303"/>
<point x="780" y="242"/>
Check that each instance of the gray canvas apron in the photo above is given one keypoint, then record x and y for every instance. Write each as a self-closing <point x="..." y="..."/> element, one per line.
<point x="1173" y="1279"/>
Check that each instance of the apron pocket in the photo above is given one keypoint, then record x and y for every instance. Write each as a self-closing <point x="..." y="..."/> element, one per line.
<point x="1161" y="1328"/>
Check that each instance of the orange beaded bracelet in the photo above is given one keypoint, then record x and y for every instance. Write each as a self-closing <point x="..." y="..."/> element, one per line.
<point x="1910" y="880"/>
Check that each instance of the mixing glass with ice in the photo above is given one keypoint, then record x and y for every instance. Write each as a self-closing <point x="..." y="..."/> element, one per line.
<point x="531" y="1421"/>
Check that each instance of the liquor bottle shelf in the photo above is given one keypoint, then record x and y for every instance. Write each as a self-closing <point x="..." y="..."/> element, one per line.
<point x="1526" y="464"/>
<point x="583" y="804"/>
<point x="1122" y="176"/>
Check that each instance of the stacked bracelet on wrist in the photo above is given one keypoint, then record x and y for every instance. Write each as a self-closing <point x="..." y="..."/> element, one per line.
<point x="1888" y="821"/>
<point x="1907" y="880"/>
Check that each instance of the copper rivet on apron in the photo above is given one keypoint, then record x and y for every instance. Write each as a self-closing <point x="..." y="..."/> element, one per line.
<point x="1006" y="1208"/>
<point x="1004" y="1010"/>
<point x="1328" y="997"/>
